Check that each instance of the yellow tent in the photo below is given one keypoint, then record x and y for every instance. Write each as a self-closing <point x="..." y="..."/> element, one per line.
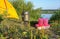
<point x="6" y="6"/>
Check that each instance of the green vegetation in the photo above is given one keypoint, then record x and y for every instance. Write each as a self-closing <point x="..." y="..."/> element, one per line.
<point x="55" y="22"/>
<point x="21" y="6"/>
<point x="49" y="11"/>
<point x="15" y="29"/>
<point x="56" y="16"/>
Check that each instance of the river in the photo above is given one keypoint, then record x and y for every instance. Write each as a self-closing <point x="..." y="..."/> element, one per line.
<point x="46" y="16"/>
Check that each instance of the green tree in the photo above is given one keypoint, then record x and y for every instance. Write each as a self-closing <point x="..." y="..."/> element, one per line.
<point x="35" y="14"/>
<point x="56" y="16"/>
<point x="21" y="5"/>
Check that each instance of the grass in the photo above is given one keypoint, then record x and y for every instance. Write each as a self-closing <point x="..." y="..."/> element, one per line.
<point x="16" y="29"/>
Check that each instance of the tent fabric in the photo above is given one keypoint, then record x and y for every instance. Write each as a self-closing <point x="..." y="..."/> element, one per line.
<point x="6" y="6"/>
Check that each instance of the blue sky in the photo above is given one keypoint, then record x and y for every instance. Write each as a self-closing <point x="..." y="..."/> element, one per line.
<point x="46" y="4"/>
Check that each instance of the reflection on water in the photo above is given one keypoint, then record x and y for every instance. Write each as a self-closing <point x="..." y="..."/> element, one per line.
<point x="46" y="16"/>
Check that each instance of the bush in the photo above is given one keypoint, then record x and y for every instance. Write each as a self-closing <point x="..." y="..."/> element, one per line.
<point x="56" y="28"/>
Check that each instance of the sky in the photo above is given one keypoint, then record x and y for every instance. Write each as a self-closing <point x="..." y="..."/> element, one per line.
<point x="46" y="4"/>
